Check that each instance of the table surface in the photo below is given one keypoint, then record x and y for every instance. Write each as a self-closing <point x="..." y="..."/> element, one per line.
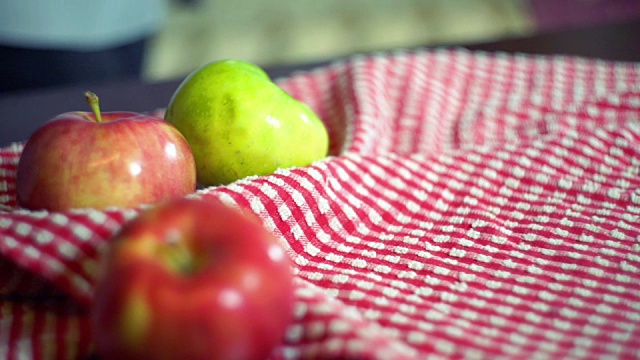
<point x="21" y="113"/>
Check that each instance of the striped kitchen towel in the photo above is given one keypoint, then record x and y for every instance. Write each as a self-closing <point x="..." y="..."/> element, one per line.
<point x="474" y="205"/>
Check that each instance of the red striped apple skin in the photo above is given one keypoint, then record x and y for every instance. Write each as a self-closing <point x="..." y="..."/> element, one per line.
<point x="192" y="279"/>
<point x="127" y="159"/>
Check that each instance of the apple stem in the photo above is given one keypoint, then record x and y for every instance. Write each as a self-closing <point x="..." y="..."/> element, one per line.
<point x="94" y="102"/>
<point x="178" y="255"/>
<point x="182" y="261"/>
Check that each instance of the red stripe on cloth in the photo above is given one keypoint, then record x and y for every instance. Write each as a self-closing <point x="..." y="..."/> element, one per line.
<point x="43" y="329"/>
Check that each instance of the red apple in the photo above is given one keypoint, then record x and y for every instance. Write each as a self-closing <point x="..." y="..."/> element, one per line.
<point x="124" y="159"/>
<point x="192" y="279"/>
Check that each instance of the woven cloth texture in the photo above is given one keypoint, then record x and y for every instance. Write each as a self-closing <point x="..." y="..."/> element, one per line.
<point x="474" y="205"/>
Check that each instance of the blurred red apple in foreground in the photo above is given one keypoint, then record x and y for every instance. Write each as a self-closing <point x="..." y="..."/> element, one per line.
<point x="192" y="279"/>
<point x="123" y="159"/>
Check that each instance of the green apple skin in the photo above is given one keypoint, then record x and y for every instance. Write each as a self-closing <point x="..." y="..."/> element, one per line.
<point x="239" y="123"/>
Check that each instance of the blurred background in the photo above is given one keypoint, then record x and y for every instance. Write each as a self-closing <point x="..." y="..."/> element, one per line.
<point x="190" y="33"/>
<point x="293" y="31"/>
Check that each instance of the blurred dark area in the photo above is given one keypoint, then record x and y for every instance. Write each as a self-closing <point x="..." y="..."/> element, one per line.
<point x="172" y="37"/>
<point x="30" y="68"/>
<point x="550" y="15"/>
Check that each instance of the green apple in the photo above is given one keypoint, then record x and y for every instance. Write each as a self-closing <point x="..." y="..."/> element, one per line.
<point x="240" y="123"/>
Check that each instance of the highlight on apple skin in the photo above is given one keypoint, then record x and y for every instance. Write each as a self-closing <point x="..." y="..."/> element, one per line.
<point x="98" y="160"/>
<point x="192" y="279"/>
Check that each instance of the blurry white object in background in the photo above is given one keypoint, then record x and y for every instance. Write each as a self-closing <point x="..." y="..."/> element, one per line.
<point x="84" y="25"/>
<point x="47" y="43"/>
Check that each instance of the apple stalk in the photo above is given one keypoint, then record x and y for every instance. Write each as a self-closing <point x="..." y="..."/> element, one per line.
<point x="94" y="102"/>
<point x="179" y="257"/>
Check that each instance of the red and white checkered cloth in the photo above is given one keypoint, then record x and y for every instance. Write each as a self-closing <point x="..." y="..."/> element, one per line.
<point x="476" y="205"/>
